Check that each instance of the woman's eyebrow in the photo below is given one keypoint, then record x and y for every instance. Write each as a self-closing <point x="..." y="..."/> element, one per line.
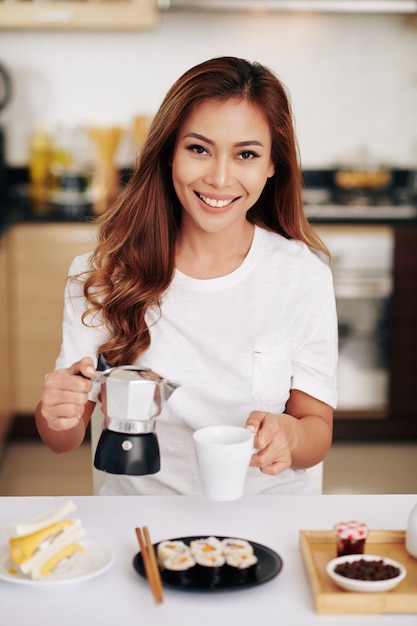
<point x="200" y="137"/>
<point x="239" y="144"/>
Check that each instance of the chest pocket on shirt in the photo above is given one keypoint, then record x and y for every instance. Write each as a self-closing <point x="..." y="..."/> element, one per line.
<point x="271" y="373"/>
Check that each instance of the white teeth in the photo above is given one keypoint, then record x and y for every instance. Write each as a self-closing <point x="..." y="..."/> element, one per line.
<point x="218" y="204"/>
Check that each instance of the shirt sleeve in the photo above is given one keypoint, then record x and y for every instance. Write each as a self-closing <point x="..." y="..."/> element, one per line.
<point x="79" y="339"/>
<point x="315" y="358"/>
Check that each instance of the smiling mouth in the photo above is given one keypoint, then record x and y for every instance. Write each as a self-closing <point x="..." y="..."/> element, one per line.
<point x="215" y="204"/>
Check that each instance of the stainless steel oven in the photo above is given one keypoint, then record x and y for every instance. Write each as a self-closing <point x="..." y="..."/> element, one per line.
<point x="362" y="269"/>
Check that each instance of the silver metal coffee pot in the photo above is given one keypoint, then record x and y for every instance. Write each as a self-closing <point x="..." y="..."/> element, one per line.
<point x="132" y="397"/>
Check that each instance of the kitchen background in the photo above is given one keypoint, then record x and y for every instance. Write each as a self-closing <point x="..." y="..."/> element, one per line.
<point x="352" y="78"/>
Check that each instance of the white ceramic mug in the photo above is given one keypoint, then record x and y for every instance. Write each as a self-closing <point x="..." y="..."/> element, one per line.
<point x="223" y="455"/>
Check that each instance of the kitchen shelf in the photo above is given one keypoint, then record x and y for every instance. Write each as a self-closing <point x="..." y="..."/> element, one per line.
<point x="79" y="15"/>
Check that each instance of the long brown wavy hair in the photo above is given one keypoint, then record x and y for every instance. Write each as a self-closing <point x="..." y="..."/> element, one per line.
<point x="134" y="261"/>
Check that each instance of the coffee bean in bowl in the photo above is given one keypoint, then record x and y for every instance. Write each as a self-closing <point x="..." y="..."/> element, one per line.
<point x="366" y="572"/>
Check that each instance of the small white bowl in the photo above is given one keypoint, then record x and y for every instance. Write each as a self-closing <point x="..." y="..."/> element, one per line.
<point x="353" y="584"/>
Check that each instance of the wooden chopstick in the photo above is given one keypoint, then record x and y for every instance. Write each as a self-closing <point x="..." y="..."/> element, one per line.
<point x="150" y="564"/>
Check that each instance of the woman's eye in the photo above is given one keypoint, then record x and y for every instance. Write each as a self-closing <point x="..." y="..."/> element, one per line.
<point x="247" y="154"/>
<point x="197" y="149"/>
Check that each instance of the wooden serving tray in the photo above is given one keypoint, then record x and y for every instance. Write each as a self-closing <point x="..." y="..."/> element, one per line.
<point x="319" y="547"/>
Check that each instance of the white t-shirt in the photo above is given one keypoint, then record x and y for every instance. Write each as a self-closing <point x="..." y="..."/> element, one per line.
<point x="235" y="344"/>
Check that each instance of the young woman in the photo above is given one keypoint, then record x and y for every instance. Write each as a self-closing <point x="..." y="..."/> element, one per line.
<point x="206" y="272"/>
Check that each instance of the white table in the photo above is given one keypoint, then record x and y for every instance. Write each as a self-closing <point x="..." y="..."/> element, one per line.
<point x="120" y="597"/>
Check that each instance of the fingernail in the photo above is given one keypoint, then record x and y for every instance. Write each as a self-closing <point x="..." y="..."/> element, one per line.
<point x="251" y="428"/>
<point x="91" y="370"/>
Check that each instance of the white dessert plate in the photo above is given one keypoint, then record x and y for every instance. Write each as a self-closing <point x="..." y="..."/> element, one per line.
<point x="367" y="586"/>
<point x="93" y="561"/>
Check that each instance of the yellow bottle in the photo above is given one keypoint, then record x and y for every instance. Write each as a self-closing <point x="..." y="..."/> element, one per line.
<point x="39" y="168"/>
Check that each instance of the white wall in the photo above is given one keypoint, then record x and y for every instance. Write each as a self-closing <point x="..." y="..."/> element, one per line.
<point x="352" y="78"/>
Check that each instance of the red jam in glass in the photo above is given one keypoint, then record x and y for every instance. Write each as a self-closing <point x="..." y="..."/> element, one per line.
<point x="350" y="537"/>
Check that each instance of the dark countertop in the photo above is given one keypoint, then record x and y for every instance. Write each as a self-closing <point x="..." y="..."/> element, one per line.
<point x="395" y="209"/>
<point x="394" y="215"/>
<point x="16" y="206"/>
<point x="16" y="213"/>
<point x="20" y="213"/>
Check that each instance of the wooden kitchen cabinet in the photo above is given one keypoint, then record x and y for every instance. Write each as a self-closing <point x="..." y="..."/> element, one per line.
<point x="79" y="15"/>
<point x="39" y="256"/>
<point x="5" y="378"/>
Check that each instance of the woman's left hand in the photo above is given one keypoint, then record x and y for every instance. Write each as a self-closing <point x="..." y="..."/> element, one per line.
<point x="298" y="438"/>
<point x="273" y="434"/>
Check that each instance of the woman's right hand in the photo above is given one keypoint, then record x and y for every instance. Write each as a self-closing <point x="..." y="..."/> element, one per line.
<point x="65" y="395"/>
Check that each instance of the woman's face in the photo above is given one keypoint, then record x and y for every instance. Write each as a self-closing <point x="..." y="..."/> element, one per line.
<point x="221" y="162"/>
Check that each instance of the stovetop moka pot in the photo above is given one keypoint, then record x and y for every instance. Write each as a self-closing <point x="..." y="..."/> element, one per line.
<point x="132" y="398"/>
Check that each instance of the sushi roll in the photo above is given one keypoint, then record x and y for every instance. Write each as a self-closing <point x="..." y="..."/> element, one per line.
<point x="166" y="549"/>
<point x="178" y="569"/>
<point x="209" y="567"/>
<point x="206" y="545"/>
<point x="239" y="546"/>
<point x="240" y="568"/>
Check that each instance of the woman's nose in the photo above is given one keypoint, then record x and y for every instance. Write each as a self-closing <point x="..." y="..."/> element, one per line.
<point x="220" y="173"/>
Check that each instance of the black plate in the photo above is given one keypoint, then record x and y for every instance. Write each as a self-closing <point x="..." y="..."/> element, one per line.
<point x="269" y="565"/>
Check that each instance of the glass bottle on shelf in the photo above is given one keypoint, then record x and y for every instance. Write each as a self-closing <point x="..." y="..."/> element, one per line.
<point x="106" y="178"/>
<point x="40" y="153"/>
<point x="70" y="171"/>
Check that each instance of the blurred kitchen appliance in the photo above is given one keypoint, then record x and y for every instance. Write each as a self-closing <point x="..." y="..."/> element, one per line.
<point x="362" y="270"/>
<point x="362" y="186"/>
<point x="361" y="194"/>
<point x="132" y="398"/>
